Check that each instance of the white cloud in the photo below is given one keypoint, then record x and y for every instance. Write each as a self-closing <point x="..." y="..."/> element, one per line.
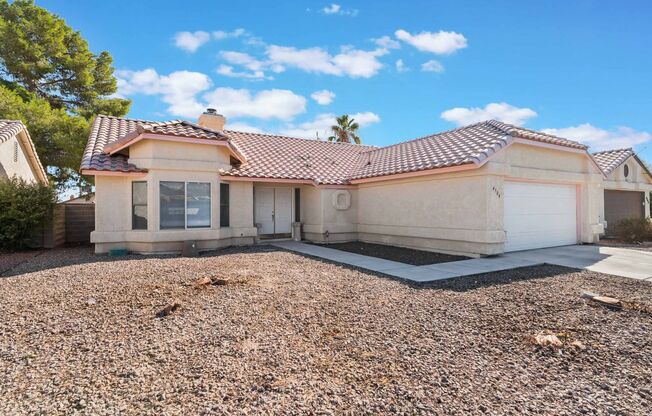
<point x="441" y="43"/>
<point x="366" y="119"/>
<point x="266" y="104"/>
<point x="601" y="139"/>
<point x="432" y="66"/>
<point x="320" y="126"/>
<point x="237" y="126"/>
<point x="499" y="111"/>
<point x="191" y="41"/>
<point x="400" y="66"/>
<point x="178" y="89"/>
<point x="254" y="65"/>
<point x="323" y="97"/>
<point x="220" y="34"/>
<point x="334" y="8"/>
<point x="387" y="43"/>
<point x="228" y="71"/>
<point x="350" y="62"/>
<point x="240" y="58"/>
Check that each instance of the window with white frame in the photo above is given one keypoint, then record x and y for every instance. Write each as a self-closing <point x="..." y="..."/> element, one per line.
<point x="185" y="205"/>
<point x="139" y="205"/>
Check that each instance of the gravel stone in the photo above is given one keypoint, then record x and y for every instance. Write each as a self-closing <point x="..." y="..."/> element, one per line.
<point x="292" y="335"/>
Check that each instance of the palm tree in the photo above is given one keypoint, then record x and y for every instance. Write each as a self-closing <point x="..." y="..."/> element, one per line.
<point x="345" y="130"/>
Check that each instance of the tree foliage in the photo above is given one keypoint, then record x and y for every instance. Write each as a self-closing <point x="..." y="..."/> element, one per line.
<point x="50" y="80"/>
<point x="24" y="206"/>
<point x="345" y="131"/>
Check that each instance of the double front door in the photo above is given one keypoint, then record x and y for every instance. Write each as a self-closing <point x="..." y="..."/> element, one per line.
<point x="273" y="212"/>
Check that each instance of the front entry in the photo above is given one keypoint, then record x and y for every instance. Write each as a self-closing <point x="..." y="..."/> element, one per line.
<point x="273" y="212"/>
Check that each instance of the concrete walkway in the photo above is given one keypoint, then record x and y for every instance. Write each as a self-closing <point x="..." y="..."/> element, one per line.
<point x="617" y="261"/>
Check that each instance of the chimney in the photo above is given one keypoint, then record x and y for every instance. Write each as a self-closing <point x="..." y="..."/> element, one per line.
<point x="210" y="119"/>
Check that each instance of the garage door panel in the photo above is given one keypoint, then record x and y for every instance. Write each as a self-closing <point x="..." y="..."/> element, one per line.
<point x="539" y="215"/>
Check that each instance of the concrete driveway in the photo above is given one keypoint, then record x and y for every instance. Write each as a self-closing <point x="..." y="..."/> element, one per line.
<point x="624" y="262"/>
<point x="616" y="261"/>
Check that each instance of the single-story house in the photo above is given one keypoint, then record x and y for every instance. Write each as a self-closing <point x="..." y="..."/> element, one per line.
<point x="626" y="187"/>
<point x="478" y="190"/>
<point x="17" y="153"/>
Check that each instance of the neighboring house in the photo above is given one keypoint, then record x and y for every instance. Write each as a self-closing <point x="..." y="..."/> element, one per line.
<point x="478" y="190"/>
<point x="17" y="153"/>
<point x="627" y="186"/>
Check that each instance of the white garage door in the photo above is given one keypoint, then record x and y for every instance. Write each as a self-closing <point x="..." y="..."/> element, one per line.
<point x="539" y="215"/>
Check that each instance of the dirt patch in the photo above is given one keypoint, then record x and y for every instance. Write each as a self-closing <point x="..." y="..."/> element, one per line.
<point x="400" y="254"/>
<point x="79" y="334"/>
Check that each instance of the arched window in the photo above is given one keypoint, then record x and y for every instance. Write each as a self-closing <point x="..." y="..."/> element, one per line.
<point x="626" y="170"/>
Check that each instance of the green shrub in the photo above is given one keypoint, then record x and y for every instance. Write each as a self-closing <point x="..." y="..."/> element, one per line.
<point x="24" y="206"/>
<point x="634" y="230"/>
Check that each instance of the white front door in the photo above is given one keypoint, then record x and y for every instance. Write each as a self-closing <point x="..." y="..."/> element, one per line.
<point x="539" y="215"/>
<point x="282" y="210"/>
<point x="273" y="210"/>
<point x="264" y="211"/>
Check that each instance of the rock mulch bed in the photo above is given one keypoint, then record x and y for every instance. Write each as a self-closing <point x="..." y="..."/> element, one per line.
<point x="400" y="254"/>
<point x="282" y="333"/>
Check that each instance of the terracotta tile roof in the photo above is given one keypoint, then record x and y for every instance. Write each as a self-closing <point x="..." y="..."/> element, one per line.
<point x="107" y="130"/>
<point x="461" y="146"/>
<point x="280" y="157"/>
<point x="609" y="160"/>
<point x="9" y="129"/>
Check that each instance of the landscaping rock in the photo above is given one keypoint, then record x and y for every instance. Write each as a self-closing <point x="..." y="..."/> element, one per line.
<point x="305" y="336"/>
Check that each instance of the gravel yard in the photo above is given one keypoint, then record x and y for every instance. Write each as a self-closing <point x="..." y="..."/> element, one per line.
<point x="290" y="334"/>
<point x="400" y="254"/>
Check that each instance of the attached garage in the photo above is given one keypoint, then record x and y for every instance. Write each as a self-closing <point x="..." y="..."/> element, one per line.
<point x="539" y="215"/>
<point x="619" y="205"/>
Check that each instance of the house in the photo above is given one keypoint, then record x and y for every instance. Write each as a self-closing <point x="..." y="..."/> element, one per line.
<point x="17" y="153"/>
<point x="478" y="190"/>
<point x="626" y="187"/>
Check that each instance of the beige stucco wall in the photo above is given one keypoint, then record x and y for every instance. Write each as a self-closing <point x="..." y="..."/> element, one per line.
<point x="21" y="167"/>
<point x="447" y="212"/>
<point x="638" y="180"/>
<point x="170" y="161"/>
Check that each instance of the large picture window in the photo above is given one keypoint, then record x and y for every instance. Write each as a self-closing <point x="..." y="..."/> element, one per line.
<point x="139" y="205"/>
<point x="185" y="205"/>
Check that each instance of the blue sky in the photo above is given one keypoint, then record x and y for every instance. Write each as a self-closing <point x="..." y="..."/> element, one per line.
<point x="405" y="69"/>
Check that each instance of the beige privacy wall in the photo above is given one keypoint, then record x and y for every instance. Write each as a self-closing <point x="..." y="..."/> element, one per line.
<point x="20" y="166"/>
<point x="170" y="161"/>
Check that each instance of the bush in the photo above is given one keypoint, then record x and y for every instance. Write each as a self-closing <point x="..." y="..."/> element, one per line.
<point x="634" y="230"/>
<point x="24" y="206"/>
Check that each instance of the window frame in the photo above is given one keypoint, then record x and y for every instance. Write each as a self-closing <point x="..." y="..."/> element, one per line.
<point x="626" y="170"/>
<point x="185" y="207"/>
<point x="133" y="206"/>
